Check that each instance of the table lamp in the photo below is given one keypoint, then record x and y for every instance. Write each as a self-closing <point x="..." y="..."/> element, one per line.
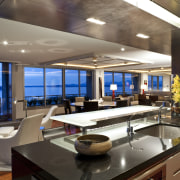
<point x="143" y="87"/>
<point x="113" y="87"/>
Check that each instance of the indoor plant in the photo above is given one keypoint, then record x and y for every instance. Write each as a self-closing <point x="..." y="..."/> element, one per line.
<point x="176" y="93"/>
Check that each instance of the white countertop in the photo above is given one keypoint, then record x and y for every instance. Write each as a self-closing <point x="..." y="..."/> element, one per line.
<point x="87" y="119"/>
<point x="114" y="132"/>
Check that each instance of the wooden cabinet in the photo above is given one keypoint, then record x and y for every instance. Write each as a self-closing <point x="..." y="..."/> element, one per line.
<point x="157" y="172"/>
<point x="167" y="170"/>
<point x="173" y="167"/>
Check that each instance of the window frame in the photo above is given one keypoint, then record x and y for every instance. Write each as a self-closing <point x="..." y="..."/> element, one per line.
<point x="63" y="81"/>
<point x="123" y="74"/>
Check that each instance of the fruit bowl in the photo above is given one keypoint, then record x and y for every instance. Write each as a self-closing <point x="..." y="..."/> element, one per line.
<point x="93" y="144"/>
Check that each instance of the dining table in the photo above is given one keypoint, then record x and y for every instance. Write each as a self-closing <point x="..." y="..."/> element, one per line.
<point x="101" y="105"/>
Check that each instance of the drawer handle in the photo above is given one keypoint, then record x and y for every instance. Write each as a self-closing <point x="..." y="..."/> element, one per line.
<point x="177" y="172"/>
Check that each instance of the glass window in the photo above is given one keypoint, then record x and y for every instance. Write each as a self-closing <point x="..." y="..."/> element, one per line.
<point x="154" y="82"/>
<point x="135" y="79"/>
<point x="118" y="79"/>
<point x="128" y="82"/>
<point x="5" y="92"/>
<point x="33" y="85"/>
<point x="108" y="80"/>
<point x="149" y="82"/>
<point x="1" y="84"/>
<point x="53" y="86"/>
<point x="71" y="84"/>
<point x="160" y="82"/>
<point x="83" y="83"/>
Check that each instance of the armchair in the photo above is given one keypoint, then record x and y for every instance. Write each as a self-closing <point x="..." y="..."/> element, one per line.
<point x="28" y="132"/>
<point x="47" y="122"/>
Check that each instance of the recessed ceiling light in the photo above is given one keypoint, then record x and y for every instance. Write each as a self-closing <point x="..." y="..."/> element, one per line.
<point x="23" y="51"/>
<point x="154" y="9"/>
<point x="140" y="35"/>
<point x="96" y="21"/>
<point x="122" y="49"/>
<point x="5" y="42"/>
<point x="94" y="59"/>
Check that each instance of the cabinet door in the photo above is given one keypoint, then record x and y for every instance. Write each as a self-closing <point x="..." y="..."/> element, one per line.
<point x="173" y="168"/>
<point x="157" y="172"/>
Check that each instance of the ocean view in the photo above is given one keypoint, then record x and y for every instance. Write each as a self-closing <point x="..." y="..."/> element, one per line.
<point x="52" y="90"/>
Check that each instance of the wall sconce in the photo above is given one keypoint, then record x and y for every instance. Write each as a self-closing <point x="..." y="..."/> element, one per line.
<point x="113" y="87"/>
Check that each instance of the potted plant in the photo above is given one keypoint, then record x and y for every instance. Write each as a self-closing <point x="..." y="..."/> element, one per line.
<point x="176" y="94"/>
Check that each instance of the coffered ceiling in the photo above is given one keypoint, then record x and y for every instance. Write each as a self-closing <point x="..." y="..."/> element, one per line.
<point x="54" y="31"/>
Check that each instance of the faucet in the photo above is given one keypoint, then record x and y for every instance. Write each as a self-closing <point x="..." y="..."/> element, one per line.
<point x="159" y="114"/>
<point x="129" y="127"/>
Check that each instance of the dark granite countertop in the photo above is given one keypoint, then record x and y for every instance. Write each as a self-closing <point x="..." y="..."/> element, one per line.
<point x="128" y="156"/>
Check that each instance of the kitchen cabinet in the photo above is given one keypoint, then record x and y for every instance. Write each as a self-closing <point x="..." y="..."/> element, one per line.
<point x="173" y="167"/>
<point x="157" y="172"/>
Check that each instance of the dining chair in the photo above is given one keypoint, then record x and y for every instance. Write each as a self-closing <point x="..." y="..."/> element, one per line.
<point x="107" y="98"/>
<point x="27" y="132"/>
<point x="90" y="106"/>
<point x="79" y="99"/>
<point x="47" y="122"/>
<point x="67" y="106"/>
<point x="122" y="103"/>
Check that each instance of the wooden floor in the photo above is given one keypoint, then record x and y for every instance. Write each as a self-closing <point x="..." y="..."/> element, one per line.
<point x="69" y="130"/>
<point x="5" y="176"/>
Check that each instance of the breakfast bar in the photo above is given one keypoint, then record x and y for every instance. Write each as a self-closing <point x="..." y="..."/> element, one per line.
<point x="88" y="119"/>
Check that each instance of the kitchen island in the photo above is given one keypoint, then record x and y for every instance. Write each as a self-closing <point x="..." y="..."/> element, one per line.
<point x="87" y="120"/>
<point x="130" y="156"/>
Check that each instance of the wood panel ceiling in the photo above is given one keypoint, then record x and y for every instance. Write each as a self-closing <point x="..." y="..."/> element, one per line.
<point x="123" y="21"/>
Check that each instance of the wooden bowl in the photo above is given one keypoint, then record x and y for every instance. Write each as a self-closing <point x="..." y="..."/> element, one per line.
<point x="93" y="144"/>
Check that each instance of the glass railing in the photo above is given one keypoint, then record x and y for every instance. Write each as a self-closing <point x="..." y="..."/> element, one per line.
<point x="33" y="101"/>
<point x="40" y="101"/>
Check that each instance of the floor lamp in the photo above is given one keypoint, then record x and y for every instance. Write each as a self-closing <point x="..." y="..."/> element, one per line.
<point x="113" y="87"/>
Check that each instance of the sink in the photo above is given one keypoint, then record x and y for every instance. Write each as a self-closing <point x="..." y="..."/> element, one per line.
<point x="164" y="131"/>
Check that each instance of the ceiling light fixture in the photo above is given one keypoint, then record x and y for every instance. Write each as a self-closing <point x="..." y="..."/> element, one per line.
<point x="96" y="21"/>
<point x="122" y="49"/>
<point x="161" y="70"/>
<point x="113" y="65"/>
<point x="73" y="65"/>
<point x="140" y="35"/>
<point x="5" y="42"/>
<point x="156" y="10"/>
<point x="23" y="51"/>
<point x="139" y="71"/>
<point x="94" y="59"/>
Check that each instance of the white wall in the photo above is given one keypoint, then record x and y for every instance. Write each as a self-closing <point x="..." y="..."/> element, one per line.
<point x="166" y="83"/>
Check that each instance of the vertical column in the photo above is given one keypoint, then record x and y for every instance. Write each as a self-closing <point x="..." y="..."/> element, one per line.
<point x="144" y="78"/>
<point x="5" y="88"/>
<point x="175" y="52"/>
<point x="97" y="74"/>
